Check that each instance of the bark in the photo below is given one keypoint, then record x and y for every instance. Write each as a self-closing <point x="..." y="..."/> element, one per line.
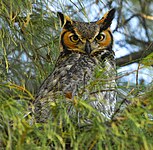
<point x="134" y="57"/>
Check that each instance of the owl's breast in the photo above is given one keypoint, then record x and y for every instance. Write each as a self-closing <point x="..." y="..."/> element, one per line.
<point x="75" y="73"/>
<point x="70" y="73"/>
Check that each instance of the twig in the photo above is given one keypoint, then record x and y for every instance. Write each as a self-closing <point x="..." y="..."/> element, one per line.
<point x="118" y="109"/>
<point x="137" y="75"/>
<point x="118" y="77"/>
<point x="119" y="16"/>
<point x="144" y="24"/>
<point x="105" y="90"/>
<point x="122" y="102"/>
<point x="146" y="16"/>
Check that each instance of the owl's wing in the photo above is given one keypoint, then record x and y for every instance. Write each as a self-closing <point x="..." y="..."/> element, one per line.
<point x="105" y="93"/>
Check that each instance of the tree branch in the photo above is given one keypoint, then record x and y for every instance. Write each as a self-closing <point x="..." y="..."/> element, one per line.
<point x="134" y="57"/>
<point x="146" y="16"/>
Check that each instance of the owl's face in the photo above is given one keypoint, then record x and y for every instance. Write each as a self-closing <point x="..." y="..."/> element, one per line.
<point x="86" y="38"/>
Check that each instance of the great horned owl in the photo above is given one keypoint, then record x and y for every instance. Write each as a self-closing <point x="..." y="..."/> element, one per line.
<point x="85" y="65"/>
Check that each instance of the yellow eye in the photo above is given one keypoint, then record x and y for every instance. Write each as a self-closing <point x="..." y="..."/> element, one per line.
<point x="74" y="38"/>
<point x="100" y="37"/>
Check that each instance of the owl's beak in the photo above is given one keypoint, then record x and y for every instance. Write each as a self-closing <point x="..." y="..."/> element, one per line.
<point x="88" y="47"/>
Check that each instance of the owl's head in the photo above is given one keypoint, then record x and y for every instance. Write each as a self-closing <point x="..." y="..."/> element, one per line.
<point x="86" y="37"/>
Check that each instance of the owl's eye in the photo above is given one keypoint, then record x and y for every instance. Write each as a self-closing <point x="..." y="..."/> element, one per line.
<point x="100" y="37"/>
<point x="74" y="38"/>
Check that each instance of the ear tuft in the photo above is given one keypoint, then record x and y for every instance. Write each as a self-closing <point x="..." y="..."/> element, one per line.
<point x="106" y="20"/>
<point x="61" y="17"/>
<point x="64" y="19"/>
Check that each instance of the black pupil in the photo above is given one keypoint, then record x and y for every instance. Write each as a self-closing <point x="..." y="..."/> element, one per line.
<point x="100" y="37"/>
<point x="75" y="37"/>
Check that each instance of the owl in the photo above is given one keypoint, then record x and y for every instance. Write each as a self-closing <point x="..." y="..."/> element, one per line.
<point x="85" y="67"/>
